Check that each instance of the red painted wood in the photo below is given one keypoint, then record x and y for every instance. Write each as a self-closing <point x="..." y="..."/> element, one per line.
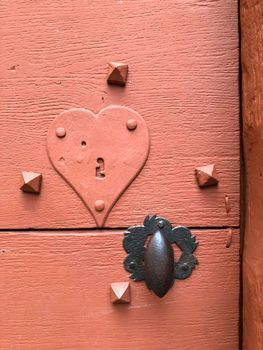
<point x="183" y="80"/>
<point x="55" y="294"/>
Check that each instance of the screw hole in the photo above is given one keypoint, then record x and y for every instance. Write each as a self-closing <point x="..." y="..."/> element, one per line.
<point x="132" y="265"/>
<point x="185" y="267"/>
<point x="83" y="144"/>
<point x="161" y="224"/>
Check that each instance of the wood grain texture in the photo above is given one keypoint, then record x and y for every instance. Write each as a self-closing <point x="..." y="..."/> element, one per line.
<point x="183" y="80"/>
<point x="252" y="97"/>
<point x="55" y="294"/>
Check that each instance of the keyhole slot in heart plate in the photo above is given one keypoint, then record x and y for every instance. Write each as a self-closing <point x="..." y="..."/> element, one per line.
<point x="100" y="169"/>
<point x="109" y="155"/>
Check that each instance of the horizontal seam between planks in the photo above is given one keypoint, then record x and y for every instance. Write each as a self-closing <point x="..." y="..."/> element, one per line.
<point x="198" y="228"/>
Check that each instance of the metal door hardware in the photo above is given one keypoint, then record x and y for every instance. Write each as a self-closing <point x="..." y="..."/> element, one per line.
<point x="120" y="293"/>
<point x="117" y="73"/>
<point x="153" y="260"/>
<point x="99" y="155"/>
<point x="206" y="175"/>
<point x="31" y="182"/>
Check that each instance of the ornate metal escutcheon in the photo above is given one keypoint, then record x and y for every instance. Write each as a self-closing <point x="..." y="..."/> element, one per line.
<point x="99" y="155"/>
<point x="153" y="260"/>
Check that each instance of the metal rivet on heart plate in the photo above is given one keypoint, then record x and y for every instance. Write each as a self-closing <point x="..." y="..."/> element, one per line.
<point x="60" y="132"/>
<point x="131" y="124"/>
<point x="99" y="205"/>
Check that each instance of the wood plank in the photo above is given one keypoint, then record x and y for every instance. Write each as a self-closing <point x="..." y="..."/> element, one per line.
<point x="55" y="295"/>
<point x="251" y="13"/>
<point x="183" y="79"/>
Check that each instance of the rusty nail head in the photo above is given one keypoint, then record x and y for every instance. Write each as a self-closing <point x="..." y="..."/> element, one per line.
<point x="206" y="175"/>
<point x="117" y="74"/>
<point x="229" y="238"/>
<point x="60" y="132"/>
<point x="120" y="293"/>
<point x="227" y="204"/>
<point x="99" y="205"/>
<point x="31" y="182"/>
<point x="131" y="124"/>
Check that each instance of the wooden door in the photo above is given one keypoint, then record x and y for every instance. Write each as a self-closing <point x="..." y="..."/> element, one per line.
<point x="56" y="266"/>
<point x="252" y="90"/>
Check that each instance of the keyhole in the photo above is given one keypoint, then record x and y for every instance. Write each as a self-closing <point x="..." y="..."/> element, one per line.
<point x="100" y="168"/>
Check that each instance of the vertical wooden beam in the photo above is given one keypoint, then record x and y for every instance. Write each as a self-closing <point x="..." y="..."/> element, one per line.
<point x="251" y="19"/>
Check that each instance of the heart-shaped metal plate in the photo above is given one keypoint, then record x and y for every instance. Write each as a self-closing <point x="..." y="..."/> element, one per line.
<point x="98" y="155"/>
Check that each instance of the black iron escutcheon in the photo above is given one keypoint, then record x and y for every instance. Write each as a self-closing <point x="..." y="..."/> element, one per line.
<point x="155" y="263"/>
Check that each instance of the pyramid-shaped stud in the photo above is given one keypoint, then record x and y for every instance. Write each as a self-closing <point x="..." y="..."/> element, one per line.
<point x="120" y="293"/>
<point x="31" y="182"/>
<point x="117" y="74"/>
<point x="206" y="175"/>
